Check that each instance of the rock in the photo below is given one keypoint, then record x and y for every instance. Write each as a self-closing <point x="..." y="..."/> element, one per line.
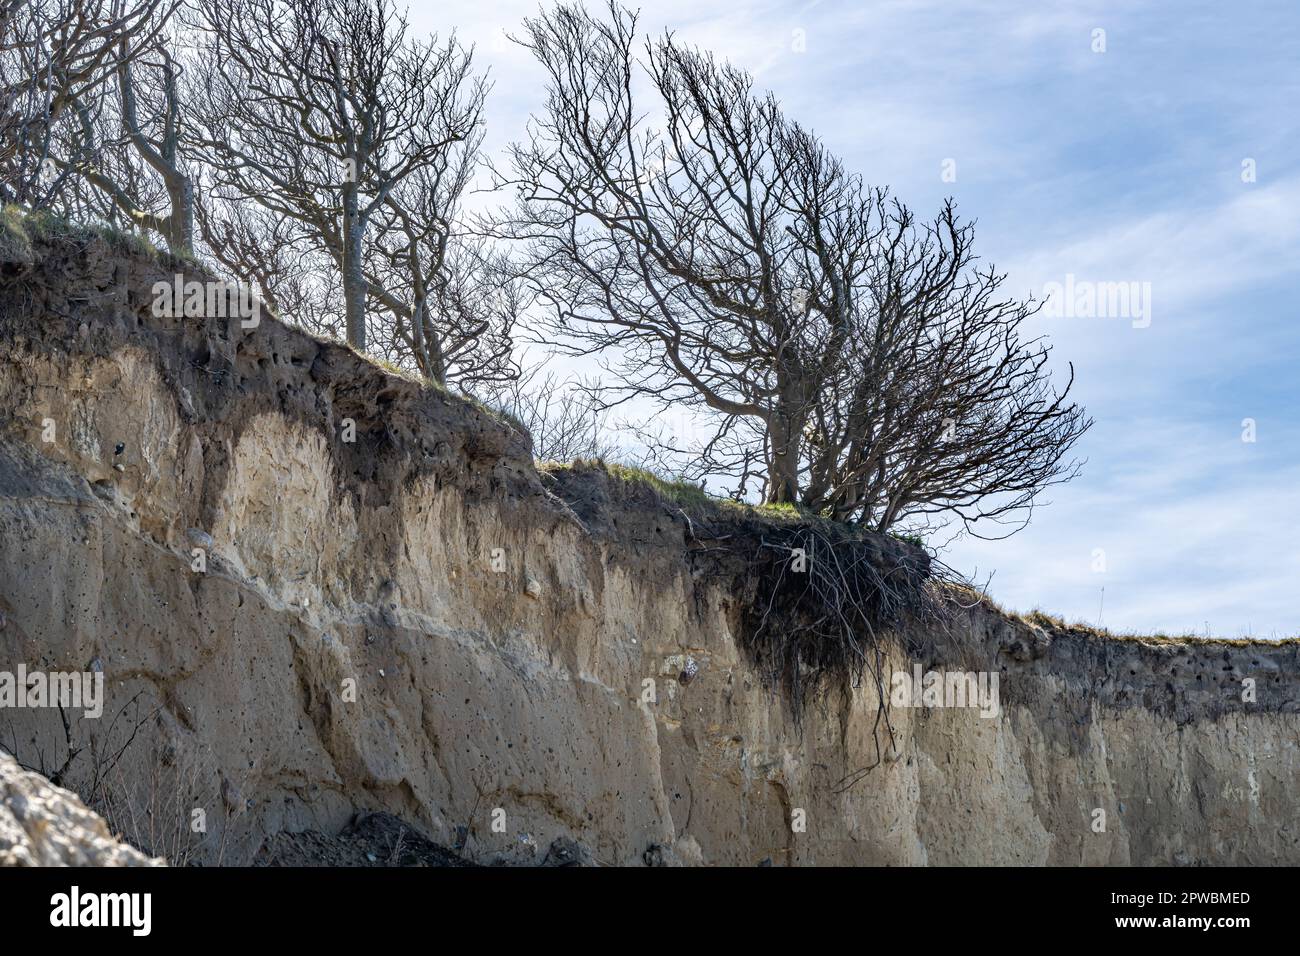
<point x="231" y="796"/>
<point x="565" y="852"/>
<point x="200" y="538"/>
<point x="371" y="839"/>
<point x="533" y="588"/>
<point x="689" y="670"/>
<point x="45" y="825"/>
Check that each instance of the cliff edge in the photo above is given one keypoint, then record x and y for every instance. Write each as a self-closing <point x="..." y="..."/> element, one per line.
<point x="315" y="589"/>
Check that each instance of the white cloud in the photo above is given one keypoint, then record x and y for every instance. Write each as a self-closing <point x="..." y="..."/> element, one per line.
<point x="1189" y="254"/>
<point x="1196" y="527"/>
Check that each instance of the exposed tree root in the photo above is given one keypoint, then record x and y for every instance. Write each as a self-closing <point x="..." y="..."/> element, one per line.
<point x="825" y="598"/>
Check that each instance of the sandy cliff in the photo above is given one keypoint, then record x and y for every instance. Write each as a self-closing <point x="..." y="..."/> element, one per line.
<point x="418" y="622"/>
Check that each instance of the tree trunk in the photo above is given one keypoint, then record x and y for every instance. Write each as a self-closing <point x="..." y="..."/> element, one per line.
<point x="783" y="475"/>
<point x="180" y="224"/>
<point x="438" y="363"/>
<point x="354" y="280"/>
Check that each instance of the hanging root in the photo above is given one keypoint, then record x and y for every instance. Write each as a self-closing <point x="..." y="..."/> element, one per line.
<point x="825" y="598"/>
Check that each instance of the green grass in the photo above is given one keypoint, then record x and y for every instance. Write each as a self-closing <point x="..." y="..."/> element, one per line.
<point x="688" y="495"/>
<point x="500" y="414"/>
<point x="391" y="367"/>
<point x="129" y="242"/>
<point x="15" y="241"/>
<point x="415" y="378"/>
<point x="1054" y="622"/>
<point x="680" y="492"/>
<point x="19" y="228"/>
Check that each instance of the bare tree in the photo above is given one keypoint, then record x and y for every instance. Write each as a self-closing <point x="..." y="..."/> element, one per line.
<point x="54" y="55"/>
<point x="277" y="256"/>
<point x="128" y="149"/>
<point x="154" y="137"/>
<point x="332" y="152"/>
<point x="453" y="304"/>
<point x="727" y="261"/>
<point x="319" y="110"/>
<point x="564" y="417"/>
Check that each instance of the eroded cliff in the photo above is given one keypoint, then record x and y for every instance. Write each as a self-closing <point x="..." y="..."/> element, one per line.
<point x="418" y="622"/>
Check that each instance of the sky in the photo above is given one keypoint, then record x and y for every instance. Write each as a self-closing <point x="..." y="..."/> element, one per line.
<point x="1094" y="143"/>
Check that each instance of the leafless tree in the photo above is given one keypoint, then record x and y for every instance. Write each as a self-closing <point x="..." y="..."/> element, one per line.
<point x="129" y="134"/>
<point x="392" y="127"/>
<point x="275" y="255"/>
<point x="564" y="417"/>
<point x="453" y="305"/>
<point x="320" y="111"/>
<point x="863" y="363"/>
<point x="55" y="55"/>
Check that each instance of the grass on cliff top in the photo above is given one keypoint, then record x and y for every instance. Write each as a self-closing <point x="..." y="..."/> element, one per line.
<point x="389" y="366"/>
<point x="1054" y="622"/>
<point x="15" y="246"/>
<point x="20" y="228"/>
<point x="679" y="492"/>
<point x="684" y="494"/>
<point x="416" y="378"/>
<point x="692" y="497"/>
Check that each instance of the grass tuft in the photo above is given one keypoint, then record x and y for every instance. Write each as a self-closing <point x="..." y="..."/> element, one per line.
<point x="15" y="242"/>
<point x="679" y="492"/>
<point x="20" y="228"/>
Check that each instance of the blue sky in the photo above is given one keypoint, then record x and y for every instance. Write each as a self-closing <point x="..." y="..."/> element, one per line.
<point x="1117" y="166"/>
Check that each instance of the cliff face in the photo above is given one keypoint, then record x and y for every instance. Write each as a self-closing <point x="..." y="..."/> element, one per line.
<point x="417" y="622"/>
